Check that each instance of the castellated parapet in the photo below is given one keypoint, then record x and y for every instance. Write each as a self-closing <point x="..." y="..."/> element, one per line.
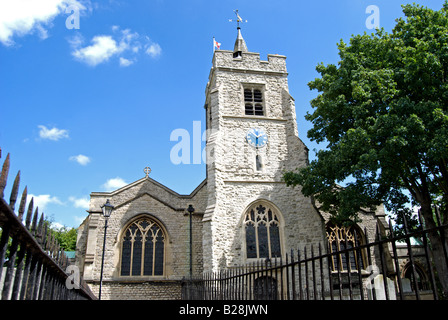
<point x="249" y="61"/>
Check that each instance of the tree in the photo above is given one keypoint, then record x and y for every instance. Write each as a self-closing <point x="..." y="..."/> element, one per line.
<point x="383" y="112"/>
<point x="66" y="237"/>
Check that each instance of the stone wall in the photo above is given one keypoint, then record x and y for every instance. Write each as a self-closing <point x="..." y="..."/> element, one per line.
<point x="144" y="197"/>
<point x="150" y="290"/>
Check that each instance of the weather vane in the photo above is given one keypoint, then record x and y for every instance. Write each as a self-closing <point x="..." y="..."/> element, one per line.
<point x="238" y="18"/>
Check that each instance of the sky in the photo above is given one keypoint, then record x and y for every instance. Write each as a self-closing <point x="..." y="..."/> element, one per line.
<point x="92" y="92"/>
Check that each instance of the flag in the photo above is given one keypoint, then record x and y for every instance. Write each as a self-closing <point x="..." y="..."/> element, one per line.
<point x="216" y="44"/>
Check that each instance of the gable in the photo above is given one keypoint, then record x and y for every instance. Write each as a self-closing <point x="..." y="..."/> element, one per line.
<point x="149" y="187"/>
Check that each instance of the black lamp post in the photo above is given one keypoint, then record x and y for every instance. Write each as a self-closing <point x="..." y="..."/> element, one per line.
<point x="190" y="211"/>
<point x="107" y="211"/>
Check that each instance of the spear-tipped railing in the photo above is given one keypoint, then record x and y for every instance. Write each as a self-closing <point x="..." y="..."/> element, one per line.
<point x="33" y="264"/>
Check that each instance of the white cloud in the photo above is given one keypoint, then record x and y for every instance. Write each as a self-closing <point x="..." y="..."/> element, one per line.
<point x="81" y="159"/>
<point x="104" y="47"/>
<point x="125" y="62"/>
<point x="101" y="50"/>
<point x="22" y="17"/>
<point x="154" y="50"/>
<point x="113" y="184"/>
<point x="43" y="200"/>
<point x="56" y="226"/>
<point x="52" y="134"/>
<point x="76" y="41"/>
<point x="80" y="202"/>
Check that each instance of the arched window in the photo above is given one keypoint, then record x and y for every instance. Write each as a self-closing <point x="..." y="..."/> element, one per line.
<point x="341" y="238"/>
<point x="143" y="249"/>
<point x="422" y="282"/>
<point x="262" y="227"/>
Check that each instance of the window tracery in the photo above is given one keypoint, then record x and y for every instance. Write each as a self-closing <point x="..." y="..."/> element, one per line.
<point x="341" y="238"/>
<point x="143" y="249"/>
<point x="262" y="227"/>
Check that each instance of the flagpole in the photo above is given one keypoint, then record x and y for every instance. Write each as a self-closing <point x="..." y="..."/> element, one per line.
<point x="213" y="44"/>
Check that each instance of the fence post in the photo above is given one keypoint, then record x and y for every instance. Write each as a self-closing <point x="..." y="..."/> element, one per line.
<point x="383" y="266"/>
<point x="397" y="267"/>
<point x="293" y="282"/>
<point x="428" y="261"/>
<point x="349" y="266"/>
<point x="411" y="257"/>
<point x="322" y="280"/>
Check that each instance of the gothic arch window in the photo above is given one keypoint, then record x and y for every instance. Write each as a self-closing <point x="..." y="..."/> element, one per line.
<point x="143" y="249"/>
<point x="341" y="238"/>
<point x="262" y="231"/>
<point x="422" y="282"/>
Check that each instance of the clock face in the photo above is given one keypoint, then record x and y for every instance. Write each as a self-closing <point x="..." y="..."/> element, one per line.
<point x="256" y="137"/>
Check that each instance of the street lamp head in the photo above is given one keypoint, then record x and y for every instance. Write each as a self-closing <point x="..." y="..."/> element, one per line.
<point x="107" y="209"/>
<point x="190" y="209"/>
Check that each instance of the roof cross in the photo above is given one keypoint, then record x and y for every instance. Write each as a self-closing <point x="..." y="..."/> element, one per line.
<point x="147" y="171"/>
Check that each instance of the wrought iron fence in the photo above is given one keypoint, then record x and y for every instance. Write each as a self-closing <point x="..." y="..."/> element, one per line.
<point x="33" y="265"/>
<point x="389" y="268"/>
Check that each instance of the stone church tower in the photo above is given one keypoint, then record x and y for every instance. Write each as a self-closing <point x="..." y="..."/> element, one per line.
<point x="243" y="211"/>
<point x="253" y="138"/>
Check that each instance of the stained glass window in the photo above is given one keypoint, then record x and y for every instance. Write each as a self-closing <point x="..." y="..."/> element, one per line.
<point x="143" y="249"/>
<point x="262" y="229"/>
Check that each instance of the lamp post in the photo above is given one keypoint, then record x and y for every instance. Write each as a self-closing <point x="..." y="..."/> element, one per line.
<point x="190" y="211"/>
<point x="107" y="209"/>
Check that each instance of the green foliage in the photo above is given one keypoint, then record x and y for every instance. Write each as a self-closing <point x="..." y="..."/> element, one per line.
<point x="66" y="237"/>
<point x="383" y="114"/>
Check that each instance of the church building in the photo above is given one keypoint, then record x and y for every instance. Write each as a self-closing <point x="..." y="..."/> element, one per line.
<point x="242" y="212"/>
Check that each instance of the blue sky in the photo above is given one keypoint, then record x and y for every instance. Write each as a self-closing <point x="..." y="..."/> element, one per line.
<point x="85" y="107"/>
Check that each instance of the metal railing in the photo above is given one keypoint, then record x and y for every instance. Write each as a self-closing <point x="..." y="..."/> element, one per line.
<point x="33" y="265"/>
<point x="364" y="271"/>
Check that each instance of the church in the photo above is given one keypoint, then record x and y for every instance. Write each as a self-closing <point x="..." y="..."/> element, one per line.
<point x="242" y="212"/>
